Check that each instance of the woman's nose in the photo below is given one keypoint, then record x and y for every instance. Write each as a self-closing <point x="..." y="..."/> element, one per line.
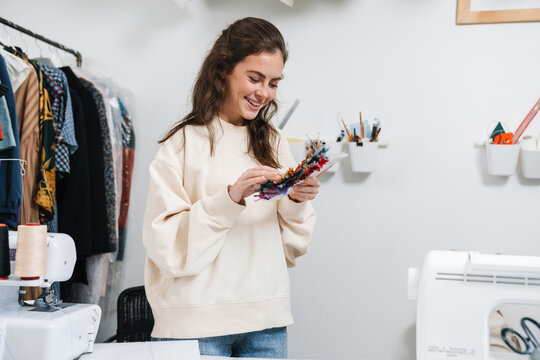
<point x="262" y="91"/>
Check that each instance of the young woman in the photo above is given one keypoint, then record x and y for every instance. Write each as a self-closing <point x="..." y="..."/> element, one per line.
<point x="216" y="266"/>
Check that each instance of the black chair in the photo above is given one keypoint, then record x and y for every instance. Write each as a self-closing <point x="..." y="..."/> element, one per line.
<point x="135" y="320"/>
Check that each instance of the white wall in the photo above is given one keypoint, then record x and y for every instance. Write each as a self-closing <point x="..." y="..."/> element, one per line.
<point x="434" y="85"/>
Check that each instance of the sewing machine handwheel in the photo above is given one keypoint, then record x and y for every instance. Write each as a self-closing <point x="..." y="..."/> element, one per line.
<point x="528" y="331"/>
<point x="505" y="336"/>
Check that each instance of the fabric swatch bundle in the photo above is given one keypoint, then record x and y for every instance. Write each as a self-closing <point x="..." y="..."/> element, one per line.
<point x="316" y="162"/>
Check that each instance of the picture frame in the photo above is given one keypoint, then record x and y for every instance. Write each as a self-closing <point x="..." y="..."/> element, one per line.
<point x="465" y="16"/>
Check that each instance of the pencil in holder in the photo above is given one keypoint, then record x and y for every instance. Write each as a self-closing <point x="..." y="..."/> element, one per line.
<point x="502" y="158"/>
<point x="363" y="158"/>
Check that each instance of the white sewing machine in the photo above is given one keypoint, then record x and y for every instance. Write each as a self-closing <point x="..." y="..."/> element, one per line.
<point x="456" y="292"/>
<point x="47" y="330"/>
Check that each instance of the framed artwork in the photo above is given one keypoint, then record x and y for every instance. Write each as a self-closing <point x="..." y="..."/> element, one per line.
<point x="467" y="16"/>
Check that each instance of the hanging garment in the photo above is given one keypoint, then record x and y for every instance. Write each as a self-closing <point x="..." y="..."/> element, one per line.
<point x="8" y="140"/>
<point x="74" y="195"/>
<point x="114" y="125"/>
<point x="95" y="289"/>
<point x="66" y="144"/>
<point x="45" y="196"/>
<point x="17" y="68"/>
<point x="10" y="172"/>
<point x="110" y="194"/>
<point x="55" y="96"/>
<point x="3" y="91"/>
<point x="27" y="103"/>
<point x="1" y="132"/>
<point x="128" y="160"/>
<point x="116" y="146"/>
<point x="124" y="128"/>
<point x="100" y="235"/>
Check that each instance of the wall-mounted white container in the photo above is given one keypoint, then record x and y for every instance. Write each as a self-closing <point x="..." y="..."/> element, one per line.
<point x="530" y="163"/>
<point x="502" y="158"/>
<point x="363" y="158"/>
<point x="334" y="148"/>
<point x="298" y="150"/>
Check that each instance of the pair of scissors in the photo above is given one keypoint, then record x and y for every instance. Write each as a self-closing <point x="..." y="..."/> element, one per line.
<point x="532" y="346"/>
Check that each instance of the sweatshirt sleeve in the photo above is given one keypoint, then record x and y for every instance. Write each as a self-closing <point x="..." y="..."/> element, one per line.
<point x="182" y="238"/>
<point x="296" y="220"/>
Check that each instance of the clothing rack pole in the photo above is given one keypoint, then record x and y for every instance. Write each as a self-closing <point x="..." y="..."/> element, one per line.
<point x="77" y="54"/>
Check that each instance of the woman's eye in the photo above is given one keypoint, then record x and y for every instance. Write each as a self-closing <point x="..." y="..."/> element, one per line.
<point x="273" y="85"/>
<point x="253" y="79"/>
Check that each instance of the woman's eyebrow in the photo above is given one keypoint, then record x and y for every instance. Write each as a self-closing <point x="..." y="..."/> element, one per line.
<point x="264" y="77"/>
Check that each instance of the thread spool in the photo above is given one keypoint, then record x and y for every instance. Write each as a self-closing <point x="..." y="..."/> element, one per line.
<point x="31" y="255"/>
<point x="4" y="252"/>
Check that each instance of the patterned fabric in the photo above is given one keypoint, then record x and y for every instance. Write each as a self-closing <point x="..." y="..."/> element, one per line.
<point x="114" y="121"/>
<point x="66" y="144"/>
<point x="55" y="95"/>
<point x="46" y="193"/>
<point x="110" y="193"/>
<point x="51" y="81"/>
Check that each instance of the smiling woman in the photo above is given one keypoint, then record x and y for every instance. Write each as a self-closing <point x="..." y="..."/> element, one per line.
<point x="216" y="266"/>
<point x="251" y="85"/>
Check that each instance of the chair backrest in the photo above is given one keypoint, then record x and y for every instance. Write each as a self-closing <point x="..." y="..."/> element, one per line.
<point x="135" y="319"/>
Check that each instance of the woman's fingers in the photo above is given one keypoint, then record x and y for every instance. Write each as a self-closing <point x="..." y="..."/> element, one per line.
<point x="313" y="181"/>
<point x="301" y="197"/>
<point x="266" y="171"/>
<point x="251" y="180"/>
<point x="310" y="194"/>
<point x="307" y="190"/>
<point x="310" y="185"/>
<point x="256" y="181"/>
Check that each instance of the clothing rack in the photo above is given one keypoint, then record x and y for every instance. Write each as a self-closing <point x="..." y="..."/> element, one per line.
<point x="77" y="54"/>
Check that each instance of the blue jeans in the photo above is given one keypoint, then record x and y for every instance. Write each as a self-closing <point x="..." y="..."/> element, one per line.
<point x="269" y="343"/>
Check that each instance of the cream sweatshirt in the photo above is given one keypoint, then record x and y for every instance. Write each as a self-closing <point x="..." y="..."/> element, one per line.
<point x="215" y="267"/>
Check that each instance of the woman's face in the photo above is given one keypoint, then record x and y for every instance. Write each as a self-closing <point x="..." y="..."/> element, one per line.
<point x="250" y="86"/>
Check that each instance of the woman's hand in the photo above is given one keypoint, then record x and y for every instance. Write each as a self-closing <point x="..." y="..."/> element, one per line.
<point x="307" y="190"/>
<point x="250" y="181"/>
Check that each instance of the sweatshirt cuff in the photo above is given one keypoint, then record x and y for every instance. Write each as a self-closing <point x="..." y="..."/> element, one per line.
<point x="223" y="208"/>
<point x="291" y="208"/>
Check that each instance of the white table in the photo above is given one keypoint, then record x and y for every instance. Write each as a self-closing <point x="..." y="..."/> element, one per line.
<point x="205" y="357"/>
<point x="152" y="350"/>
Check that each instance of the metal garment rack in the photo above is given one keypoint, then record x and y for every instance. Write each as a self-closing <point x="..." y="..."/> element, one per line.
<point x="77" y="54"/>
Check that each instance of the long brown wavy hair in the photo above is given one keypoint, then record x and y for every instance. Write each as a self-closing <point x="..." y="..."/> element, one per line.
<point x="248" y="36"/>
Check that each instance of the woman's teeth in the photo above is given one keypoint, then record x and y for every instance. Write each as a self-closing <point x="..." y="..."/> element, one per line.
<point x="256" y="104"/>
